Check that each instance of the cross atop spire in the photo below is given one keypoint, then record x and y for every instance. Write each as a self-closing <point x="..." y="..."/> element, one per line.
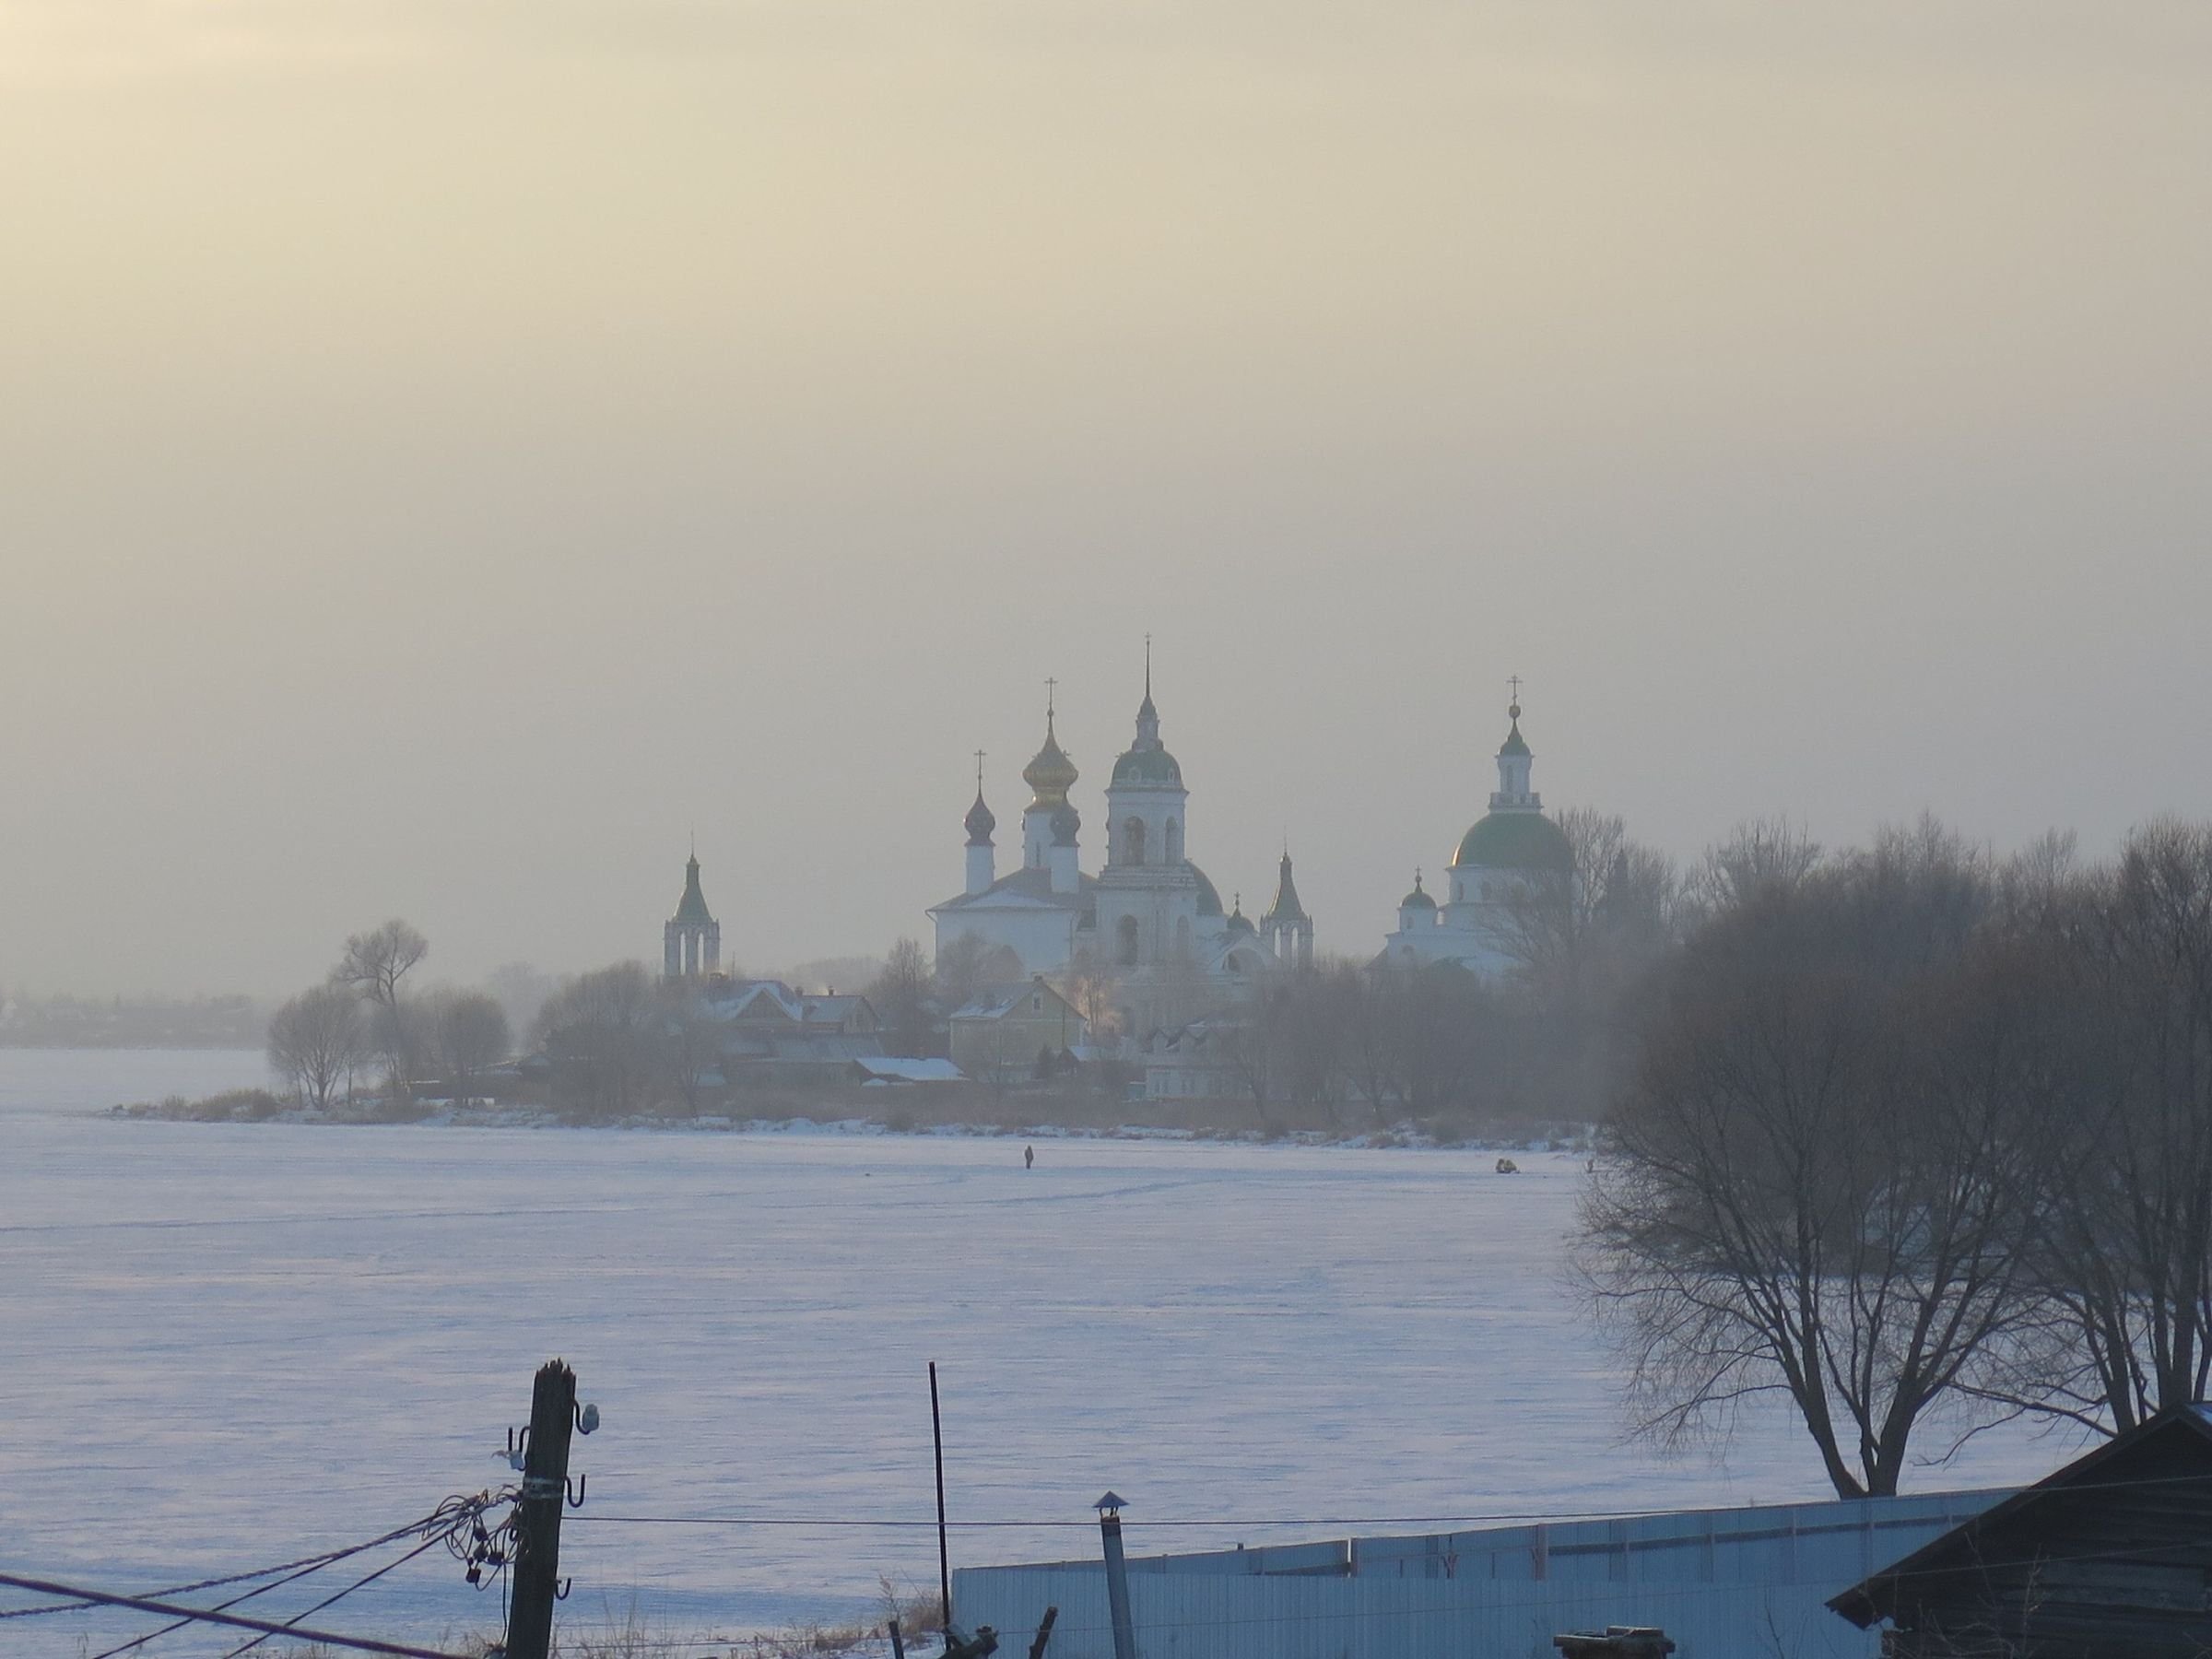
<point x="979" y="772"/>
<point x="1148" y="668"/>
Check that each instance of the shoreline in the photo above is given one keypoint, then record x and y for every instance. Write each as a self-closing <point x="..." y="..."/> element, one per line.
<point x="444" y="1114"/>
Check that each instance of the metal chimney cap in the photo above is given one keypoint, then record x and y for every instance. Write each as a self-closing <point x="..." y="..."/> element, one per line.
<point x="1110" y="1503"/>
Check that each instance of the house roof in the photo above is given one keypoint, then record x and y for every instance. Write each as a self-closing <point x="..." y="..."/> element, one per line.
<point x="902" y="1068"/>
<point x="753" y="1001"/>
<point x="1026" y="889"/>
<point x="996" y="1002"/>
<point x="2150" y="1447"/>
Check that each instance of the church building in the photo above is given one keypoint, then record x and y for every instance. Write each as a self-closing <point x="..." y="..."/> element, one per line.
<point x="1149" y="920"/>
<point x="1512" y="854"/>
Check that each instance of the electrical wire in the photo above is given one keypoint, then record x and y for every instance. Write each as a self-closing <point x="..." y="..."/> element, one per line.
<point x="216" y="1584"/>
<point x="1232" y="1523"/>
<point x="141" y="1604"/>
<point x="429" y="1542"/>
<point x="306" y="1565"/>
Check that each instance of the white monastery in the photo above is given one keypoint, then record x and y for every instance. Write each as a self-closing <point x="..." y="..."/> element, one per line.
<point x="1512" y="853"/>
<point x="1151" y="919"/>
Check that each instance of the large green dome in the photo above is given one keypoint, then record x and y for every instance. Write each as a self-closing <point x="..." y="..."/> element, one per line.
<point x="1516" y="841"/>
<point x="1153" y="765"/>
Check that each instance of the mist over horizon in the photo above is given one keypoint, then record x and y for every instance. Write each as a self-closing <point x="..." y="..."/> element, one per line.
<point x="454" y="458"/>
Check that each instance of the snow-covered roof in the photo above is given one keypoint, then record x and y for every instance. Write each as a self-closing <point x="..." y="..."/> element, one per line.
<point x="1026" y="889"/>
<point x="901" y="1068"/>
<point x="996" y="1002"/>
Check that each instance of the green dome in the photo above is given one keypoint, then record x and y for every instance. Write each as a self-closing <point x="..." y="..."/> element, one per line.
<point x="1209" y="896"/>
<point x="1516" y="841"/>
<point x="1148" y="766"/>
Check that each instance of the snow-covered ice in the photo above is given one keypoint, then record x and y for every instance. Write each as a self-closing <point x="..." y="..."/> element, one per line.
<point x="227" y="1345"/>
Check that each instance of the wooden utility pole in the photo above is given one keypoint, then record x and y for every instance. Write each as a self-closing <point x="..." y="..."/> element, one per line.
<point x="937" y="1436"/>
<point x="537" y="1515"/>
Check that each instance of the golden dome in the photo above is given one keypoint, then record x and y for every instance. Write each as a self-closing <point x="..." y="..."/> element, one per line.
<point x="1052" y="774"/>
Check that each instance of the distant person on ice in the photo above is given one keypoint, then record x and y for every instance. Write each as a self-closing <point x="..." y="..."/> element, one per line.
<point x="1028" y="1157"/>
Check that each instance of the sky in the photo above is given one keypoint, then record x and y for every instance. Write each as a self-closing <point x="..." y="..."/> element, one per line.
<point x="452" y="453"/>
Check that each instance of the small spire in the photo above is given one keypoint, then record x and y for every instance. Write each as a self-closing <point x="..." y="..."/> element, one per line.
<point x="1148" y="668"/>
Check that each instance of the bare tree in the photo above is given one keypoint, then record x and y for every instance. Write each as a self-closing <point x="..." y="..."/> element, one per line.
<point x="1758" y="854"/>
<point x="1614" y="912"/>
<point x="599" y="1033"/>
<point x="1094" y="987"/>
<point x="1814" y="1180"/>
<point x="468" y="1034"/>
<point x="687" y="1042"/>
<point x="2125" y="1228"/>
<point x="522" y="989"/>
<point x="374" y="964"/>
<point x="967" y="964"/>
<point x="901" y="995"/>
<point x="315" y="1042"/>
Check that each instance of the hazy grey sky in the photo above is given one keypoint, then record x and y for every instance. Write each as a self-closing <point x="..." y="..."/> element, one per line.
<point x="448" y="451"/>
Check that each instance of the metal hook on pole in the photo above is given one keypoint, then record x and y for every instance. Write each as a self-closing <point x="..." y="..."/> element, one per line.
<point x="575" y="1489"/>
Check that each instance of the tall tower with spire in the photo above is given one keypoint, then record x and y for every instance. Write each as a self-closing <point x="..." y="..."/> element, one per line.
<point x="691" y="942"/>
<point x="1147" y="809"/>
<point x="1286" y="929"/>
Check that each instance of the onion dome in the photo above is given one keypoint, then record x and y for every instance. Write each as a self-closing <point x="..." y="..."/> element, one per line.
<point x="692" y="907"/>
<point x="1066" y="821"/>
<point x="979" y="821"/>
<point x="1239" y="922"/>
<point x="1285" y="907"/>
<point x="1417" y="900"/>
<point x="1052" y="774"/>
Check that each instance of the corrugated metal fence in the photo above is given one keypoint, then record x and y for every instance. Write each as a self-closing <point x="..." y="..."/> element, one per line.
<point x="1721" y="1582"/>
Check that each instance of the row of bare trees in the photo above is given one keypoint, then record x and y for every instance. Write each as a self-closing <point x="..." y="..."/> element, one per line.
<point x="363" y="1016"/>
<point x="1348" y="1046"/>
<point x="1921" y="1140"/>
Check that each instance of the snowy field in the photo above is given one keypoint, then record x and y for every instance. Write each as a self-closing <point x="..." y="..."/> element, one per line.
<point x="223" y="1345"/>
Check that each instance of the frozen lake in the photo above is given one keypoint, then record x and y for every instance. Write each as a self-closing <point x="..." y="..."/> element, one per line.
<point x="230" y="1345"/>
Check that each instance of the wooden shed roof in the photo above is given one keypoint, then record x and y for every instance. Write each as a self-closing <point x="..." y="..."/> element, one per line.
<point x="2155" y="1471"/>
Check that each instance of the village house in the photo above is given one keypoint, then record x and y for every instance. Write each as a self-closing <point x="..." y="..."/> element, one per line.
<point x="1011" y="1032"/>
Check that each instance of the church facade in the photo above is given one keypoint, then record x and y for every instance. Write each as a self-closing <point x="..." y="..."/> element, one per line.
<point x="1150" y="923"/>
<point x="1510" y="856"/>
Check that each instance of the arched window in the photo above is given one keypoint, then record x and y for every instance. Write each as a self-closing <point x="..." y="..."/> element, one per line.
<point x="1126" y="938"/>
<point x="1183" y="934"/>
<point x="1174" y="847"/>
<point x="1133" y="841"/>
